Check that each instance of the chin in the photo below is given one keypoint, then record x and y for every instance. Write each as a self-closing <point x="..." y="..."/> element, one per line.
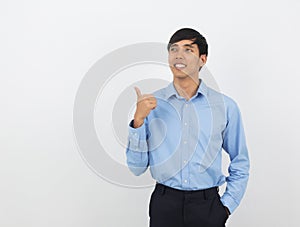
<point x="180" y="75"/>
<point x="177" y="73"/>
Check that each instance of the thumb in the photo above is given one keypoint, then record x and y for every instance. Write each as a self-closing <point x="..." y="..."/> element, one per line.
<point x="138" y="92"/>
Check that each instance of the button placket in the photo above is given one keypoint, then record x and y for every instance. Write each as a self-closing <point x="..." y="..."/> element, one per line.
<point x="185" y="144"/>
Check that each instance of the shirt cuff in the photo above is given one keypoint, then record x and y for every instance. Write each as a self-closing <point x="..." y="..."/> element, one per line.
<point x="137" y="138"/>
<point x="229" y="202"/>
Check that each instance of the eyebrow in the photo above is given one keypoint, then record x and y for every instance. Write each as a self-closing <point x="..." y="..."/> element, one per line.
<point x="185" y="45"/>
<point x="188" y="45"/>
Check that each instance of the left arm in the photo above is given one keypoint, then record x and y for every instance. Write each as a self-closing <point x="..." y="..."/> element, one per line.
<point x="234" y="143"/>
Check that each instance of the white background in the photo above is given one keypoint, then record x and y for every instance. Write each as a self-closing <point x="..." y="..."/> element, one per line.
<point x="47" y="47"/>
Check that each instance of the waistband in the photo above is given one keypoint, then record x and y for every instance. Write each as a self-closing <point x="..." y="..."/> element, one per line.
<point x="203" y="193"/>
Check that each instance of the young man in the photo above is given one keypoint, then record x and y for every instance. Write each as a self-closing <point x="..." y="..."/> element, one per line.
<point x="179" y="132"/>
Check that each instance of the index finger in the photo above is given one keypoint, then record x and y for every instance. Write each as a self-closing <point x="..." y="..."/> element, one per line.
<point x="138" y="92"/>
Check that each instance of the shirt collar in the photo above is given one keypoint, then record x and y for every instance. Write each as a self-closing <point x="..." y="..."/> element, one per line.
<point x="170" y="90"/>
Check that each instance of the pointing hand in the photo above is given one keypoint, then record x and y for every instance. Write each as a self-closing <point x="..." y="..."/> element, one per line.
<point x="145" y="103"/>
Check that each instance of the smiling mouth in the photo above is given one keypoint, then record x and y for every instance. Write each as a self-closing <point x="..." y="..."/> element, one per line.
<point x="179" y="66"/>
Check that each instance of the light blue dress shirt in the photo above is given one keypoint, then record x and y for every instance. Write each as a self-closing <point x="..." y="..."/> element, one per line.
<point x="181" y="141"/>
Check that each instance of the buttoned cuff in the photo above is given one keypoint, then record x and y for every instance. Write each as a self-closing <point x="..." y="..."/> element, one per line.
<point x="137" y="138"/>
<point x="229" y="202"/>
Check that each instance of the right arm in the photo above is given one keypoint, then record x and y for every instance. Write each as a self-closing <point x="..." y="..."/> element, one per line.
<point x="137" y="148"/>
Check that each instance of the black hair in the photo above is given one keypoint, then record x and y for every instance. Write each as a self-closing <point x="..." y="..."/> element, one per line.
<point x="190" y="34"/>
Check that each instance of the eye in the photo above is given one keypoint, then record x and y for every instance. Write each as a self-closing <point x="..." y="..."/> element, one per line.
<point x="173" y="49"/>
<point x="188" y="50"/>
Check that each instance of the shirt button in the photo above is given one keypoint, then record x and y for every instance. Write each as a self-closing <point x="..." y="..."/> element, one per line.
<point x="185" y="181"/>
<point x="184" y="161"/>
<point x="186" y="105"/>
<point x="185" y="123"/>
<point x="184" y="142"/>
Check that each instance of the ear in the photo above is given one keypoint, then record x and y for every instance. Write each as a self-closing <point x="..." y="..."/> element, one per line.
<point x="203" y="58"/>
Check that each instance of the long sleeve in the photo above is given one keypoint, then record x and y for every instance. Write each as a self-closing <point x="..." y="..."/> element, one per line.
<point x="137" y="149"/>
<point x="234" y="143"/>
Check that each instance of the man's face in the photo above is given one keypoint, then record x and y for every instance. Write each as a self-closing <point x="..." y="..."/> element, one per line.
<point x="184" y="59"/>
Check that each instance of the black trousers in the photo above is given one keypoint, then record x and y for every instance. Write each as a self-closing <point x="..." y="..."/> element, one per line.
<point x="171" y="207"/>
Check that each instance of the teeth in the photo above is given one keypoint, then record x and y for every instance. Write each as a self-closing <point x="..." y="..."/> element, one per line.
<point x="178" y="65"/>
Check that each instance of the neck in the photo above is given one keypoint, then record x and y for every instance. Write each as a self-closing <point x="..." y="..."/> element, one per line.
<point x="186" y="87"/>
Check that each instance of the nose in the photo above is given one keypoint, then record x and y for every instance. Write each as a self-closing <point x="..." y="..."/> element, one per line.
<point x="179" y="55"/>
